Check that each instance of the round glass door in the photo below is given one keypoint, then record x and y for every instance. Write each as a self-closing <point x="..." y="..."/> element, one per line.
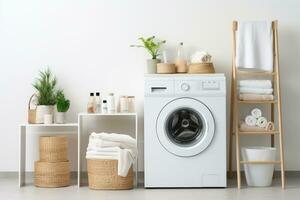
<point x="185" y="127"/>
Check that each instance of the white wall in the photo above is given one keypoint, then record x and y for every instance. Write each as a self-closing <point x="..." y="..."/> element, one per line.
<point x="86" y="43"/>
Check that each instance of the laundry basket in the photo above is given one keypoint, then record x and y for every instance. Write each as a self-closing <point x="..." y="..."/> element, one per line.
<point x="103" y="175"/>
<point x="259" y="175"/>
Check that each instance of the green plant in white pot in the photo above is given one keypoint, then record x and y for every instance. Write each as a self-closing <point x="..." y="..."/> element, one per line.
<point x="45" y="86"/>
<point x="152" y="45"/>
<point x="62" y="106"/>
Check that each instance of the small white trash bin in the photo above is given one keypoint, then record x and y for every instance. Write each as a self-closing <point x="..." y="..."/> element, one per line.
<point x="259" y="175"/>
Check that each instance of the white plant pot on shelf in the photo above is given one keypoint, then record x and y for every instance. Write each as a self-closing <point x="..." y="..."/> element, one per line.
<point x="60" y="117"/>
<point x="41" y="111"/>
<point x="259" y="175"/>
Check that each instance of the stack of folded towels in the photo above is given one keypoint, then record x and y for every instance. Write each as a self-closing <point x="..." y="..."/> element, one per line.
<point x="113" y="146"/>
<point x="255" y="90"/>
<point x="256" y="122"/>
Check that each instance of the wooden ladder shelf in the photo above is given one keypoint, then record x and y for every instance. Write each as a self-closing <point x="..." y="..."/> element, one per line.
<point x="236" y="103"/>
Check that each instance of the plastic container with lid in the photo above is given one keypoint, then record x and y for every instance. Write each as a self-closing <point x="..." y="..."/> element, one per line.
<point x="91" y="103"/>
<point x="97" y="108"/>
<point x="111" y="103"/>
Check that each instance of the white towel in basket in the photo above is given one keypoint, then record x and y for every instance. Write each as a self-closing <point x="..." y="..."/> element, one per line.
<point x="113" y="147"/>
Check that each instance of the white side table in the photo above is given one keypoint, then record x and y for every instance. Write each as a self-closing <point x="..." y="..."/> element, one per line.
<point x="82" y="117"/>
<point x="22" y="144"/>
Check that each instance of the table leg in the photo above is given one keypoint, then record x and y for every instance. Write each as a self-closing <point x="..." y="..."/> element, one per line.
<point x="22" y="155"/>
<point x="137" y="144"/>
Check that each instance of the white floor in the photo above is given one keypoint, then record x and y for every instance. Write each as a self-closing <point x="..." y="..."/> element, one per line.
<point x="10" y="191"/>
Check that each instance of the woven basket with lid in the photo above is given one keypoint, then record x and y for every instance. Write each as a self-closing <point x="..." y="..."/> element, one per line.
<point x="53" y="148"/>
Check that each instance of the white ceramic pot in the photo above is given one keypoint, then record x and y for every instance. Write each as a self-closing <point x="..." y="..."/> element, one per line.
<point x="41" y="111"/>
<point x="151" y="65"/>
<point x="60" y="117"/>
<point x="48" y="119"/>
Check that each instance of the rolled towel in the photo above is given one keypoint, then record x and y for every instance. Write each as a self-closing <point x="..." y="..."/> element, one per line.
<point x="261" y="122"/>
<point x="245" y="128"/>
<point x="267" y="84"/>
<point x="253" y="97"/>
<point x="256" y="112"/>
<point x="255" y="90"/>
<point x="270" y="126"/>
<point x="250" y="120"/>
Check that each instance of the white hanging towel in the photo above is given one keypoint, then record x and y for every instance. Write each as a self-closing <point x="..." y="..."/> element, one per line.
<point x="254" y="46"/>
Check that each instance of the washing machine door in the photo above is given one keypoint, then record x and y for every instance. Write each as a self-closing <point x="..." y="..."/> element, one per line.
<point x="185" y="127"/>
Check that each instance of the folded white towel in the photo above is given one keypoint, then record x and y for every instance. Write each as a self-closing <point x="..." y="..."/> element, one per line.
<point x="250" y="120"/>
<point x="267" y="84"/>
<point x="262" y="97"/>
<point x="113" y="146"/>
<point x="112" y="140"/>
<point x="256" y="112"/>
<point x="255" y="90"/>
<point x="261" y="122"/>
<point x="254" y="46"/>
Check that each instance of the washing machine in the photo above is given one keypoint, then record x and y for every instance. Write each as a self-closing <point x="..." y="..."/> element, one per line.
<point x="185" y="131"/>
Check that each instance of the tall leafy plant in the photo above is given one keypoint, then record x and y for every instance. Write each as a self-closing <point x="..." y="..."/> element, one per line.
<point x="62" y="104"/>
<point x="151" y="44"/>
<point x="45" y="85"/>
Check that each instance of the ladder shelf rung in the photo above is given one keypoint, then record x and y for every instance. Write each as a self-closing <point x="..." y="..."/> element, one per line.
<point x="260" y="162"/>
<point x="247" y="73"/>
<point x="256" y="102"/>
<point x="258" y="132"/>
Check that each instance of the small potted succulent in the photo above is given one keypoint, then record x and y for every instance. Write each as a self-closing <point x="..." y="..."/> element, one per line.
<point x="45" y="86"/>
<point x="152" y="45"/>
<point x="62" y="106"/>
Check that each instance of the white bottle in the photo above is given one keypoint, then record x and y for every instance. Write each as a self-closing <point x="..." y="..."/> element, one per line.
<point x="111" y="103"/>
<point x="104" y="106"/>
<point x="97" y="103"/>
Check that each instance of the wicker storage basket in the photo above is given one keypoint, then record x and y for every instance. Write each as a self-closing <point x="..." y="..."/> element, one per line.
<point x="165" y="68"/>
<point x="51" y="174"/>
<point x="31" y="112"/>
<point x="201" y="68"/>
<point x="53" y="148"/>
<point x="103" y="174"/>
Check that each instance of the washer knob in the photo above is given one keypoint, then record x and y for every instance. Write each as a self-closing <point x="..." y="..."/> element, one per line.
<point x="185" y="86"/>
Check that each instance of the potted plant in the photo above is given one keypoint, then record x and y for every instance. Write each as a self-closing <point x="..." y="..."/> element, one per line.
<point x="62" y="106"/>
<point x="46" y="94"/>
<point x="152" y="45"/>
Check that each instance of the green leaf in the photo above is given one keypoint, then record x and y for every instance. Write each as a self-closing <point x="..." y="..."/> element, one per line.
<point x="45" y="85"/>
<point x="151" y="44"/>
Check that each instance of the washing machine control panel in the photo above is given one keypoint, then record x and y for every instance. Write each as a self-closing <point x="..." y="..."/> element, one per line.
<point x="211" y="85"/>
<point x="206" y="86"/>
